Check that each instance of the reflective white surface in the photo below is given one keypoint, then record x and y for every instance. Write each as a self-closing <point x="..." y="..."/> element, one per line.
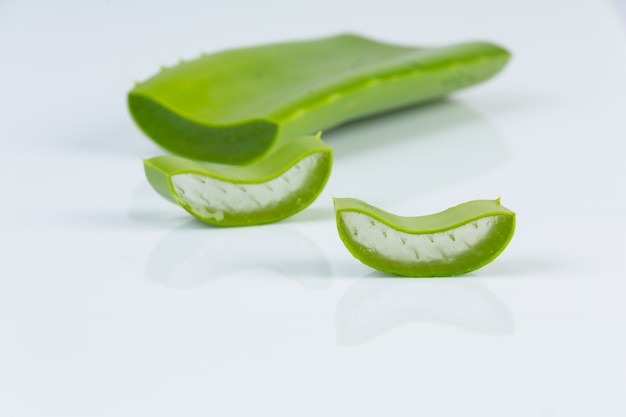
<point x="114" y="302"/>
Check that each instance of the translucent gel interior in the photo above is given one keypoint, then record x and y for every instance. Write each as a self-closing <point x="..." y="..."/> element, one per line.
<point x="211" y="198"/>
<point x="415" y="248"/>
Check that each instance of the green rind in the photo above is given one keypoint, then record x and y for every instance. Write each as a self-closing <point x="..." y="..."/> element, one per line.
<point x="234" y="144"/>
<point x="160" y="169"/>
<point x="233" y="106"/>
<point x="480" y="255"/>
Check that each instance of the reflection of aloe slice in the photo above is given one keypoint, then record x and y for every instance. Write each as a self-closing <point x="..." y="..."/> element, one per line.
<point x="373" y="306"/>
<point x="273" y="188"/>
<point x="233" y="106"/>
<point x="453" y="242"/>
<point x="189" y="257"/>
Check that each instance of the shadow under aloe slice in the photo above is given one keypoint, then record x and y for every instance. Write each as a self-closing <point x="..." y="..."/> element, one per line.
<point x="234" y="106"/>
<point x="271" y="189"/>
<point x="453" y="242"/>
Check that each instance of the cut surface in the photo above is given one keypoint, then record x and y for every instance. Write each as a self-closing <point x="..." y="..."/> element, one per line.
<point x="209" y="197"/>
<point x="416" y="248"/>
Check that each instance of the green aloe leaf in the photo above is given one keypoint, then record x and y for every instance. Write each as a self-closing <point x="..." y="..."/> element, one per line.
<point x="281" y="184"/>
<point x="234" y="106"/>
<point x="453" y="242"/>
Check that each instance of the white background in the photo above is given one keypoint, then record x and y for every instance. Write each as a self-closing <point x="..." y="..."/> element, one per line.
<point x="115" y="303"/>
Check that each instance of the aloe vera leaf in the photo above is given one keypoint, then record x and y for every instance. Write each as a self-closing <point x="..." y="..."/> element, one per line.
<point x="281" y="184"/>
<point x="453" y="242"/>
<point x="233" y="106"/>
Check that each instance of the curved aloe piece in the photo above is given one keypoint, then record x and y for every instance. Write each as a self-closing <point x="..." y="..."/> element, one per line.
<point x="233" y="106"/>
<point x="276" y="187"/>
<point x="452" y="242"/>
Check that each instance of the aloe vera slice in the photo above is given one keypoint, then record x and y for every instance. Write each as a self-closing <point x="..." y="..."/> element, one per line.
<point x="233" y="106"/>
<point x="453" y="242"/>
<point x="278" y="186"/>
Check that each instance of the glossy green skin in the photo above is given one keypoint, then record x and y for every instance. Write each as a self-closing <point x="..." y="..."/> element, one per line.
<point x="160" y="169"/>
<point x="233" y="106"/>
<point x="475" y="257"/>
